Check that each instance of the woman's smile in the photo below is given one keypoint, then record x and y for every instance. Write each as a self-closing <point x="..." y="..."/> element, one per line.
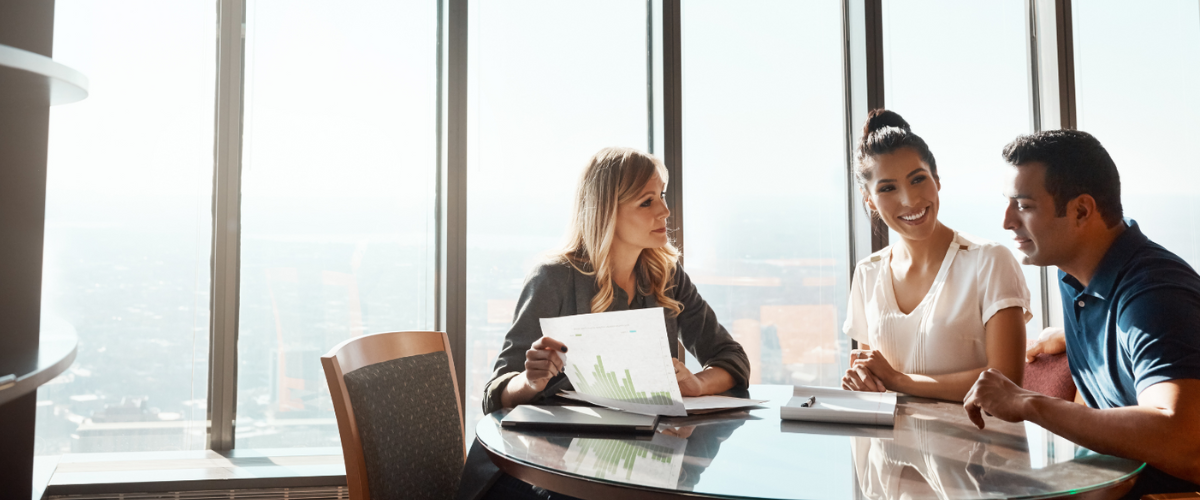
<point x="915" y="218"/>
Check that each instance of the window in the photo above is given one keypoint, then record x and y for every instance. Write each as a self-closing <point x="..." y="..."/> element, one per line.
<point x="1135" y="91"/>
<point x="958" y="73"/>
<point x="340" y="158"/>
<point x="338" y="188"/>
<point x="550" y="84"/>
<point x="128" y="228"/>
<point x="764" y="181"/>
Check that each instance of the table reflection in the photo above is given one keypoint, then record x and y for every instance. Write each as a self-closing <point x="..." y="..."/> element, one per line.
<point x="934" y="452"/>
<point x="674" y="457"/>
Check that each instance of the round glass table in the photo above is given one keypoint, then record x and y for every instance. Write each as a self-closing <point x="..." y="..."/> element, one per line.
<point x="932" y="452"/>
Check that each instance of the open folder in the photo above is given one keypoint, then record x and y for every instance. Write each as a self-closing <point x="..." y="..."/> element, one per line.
<point x="697" y="405"/>
<point x="825" y="404"/>
<point x="578" y="418"/>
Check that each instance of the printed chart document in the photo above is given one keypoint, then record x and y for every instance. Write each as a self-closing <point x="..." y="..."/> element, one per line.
<point x="619" y="360"/>
<point x="841" y="406"/>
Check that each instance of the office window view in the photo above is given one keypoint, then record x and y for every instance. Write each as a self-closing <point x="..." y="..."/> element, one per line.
<point x="764" y="187"/>
<point x="344" y="164"/>
<point x="337" y="200"/>
<point x="128" y="228"/>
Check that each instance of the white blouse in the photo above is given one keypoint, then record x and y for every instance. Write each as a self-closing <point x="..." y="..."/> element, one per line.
<point x="945" y="332"/>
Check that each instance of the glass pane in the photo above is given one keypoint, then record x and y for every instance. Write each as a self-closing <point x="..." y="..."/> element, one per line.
<point x="338" y="199"/>
<point x="958" y="72"/>
<point x="538" y="111"/>
<point x="1135" y="80"/>
<point x="765" y="180"/>
<point x="128" y="227"/>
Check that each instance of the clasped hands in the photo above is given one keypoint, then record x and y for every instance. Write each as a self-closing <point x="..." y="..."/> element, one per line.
<point x="542" y="363"/>
<point x="869" y="371"/>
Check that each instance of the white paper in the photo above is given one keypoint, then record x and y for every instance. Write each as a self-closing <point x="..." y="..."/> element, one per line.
<point x="840" y="406"/>
<point x="657" y="462"/>
<point x="708" y="403"/>
<point x="695" y="403"/>
<point x="619" y="360"/>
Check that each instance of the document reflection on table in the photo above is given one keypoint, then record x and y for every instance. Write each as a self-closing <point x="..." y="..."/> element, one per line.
<point x="651" y="463"/>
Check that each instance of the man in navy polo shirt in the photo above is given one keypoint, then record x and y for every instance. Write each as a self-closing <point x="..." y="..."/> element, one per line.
<point x="1131" y="311"/>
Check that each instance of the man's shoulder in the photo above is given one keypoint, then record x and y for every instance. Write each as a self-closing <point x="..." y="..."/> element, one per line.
<point x="1154" y="268"/>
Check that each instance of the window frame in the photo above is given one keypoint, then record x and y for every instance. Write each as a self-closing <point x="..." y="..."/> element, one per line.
<point x="1051" y="86"/>
<point x="1052" y="96"/>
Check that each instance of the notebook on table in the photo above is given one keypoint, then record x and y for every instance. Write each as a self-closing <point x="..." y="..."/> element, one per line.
<point x="578" y="419"/>
<point x="824" y="404"/>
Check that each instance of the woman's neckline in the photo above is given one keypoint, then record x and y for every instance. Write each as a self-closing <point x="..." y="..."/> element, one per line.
<point x="943" y="269"/>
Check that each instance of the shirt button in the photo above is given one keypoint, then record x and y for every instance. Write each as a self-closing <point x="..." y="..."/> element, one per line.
<point x="1081" y="304"/>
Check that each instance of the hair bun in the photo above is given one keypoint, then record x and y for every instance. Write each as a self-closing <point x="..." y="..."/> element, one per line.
<point x="880" y="118"/>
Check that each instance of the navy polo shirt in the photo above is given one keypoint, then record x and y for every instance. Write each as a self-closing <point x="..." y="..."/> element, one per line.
<point x="1136" y="324"/>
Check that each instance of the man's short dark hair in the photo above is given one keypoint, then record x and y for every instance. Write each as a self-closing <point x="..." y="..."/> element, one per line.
<point x="1076" y="164"/>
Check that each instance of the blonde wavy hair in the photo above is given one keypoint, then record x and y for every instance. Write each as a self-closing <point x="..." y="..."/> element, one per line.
<point x="615" y="176"/>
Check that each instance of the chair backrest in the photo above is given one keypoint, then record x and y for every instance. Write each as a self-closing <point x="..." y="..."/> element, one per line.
<point x="1050" y="374"/>
<point x="396" y="365"/>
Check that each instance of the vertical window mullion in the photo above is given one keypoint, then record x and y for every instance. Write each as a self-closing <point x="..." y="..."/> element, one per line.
<point x="452" y="195"/>
<point x="222" y="382"/>
<point x="672" y="150"/>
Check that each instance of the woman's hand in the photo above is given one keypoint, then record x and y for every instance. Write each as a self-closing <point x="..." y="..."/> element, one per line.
<point x="878" y="365"/>
<point x="689" y="384"/>
<point x="542" y="362"/>
<point x="859" y="377"/>
<point x="1051" y="341"/>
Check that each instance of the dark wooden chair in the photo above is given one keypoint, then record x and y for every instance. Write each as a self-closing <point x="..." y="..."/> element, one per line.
<point x="396" y="399"/>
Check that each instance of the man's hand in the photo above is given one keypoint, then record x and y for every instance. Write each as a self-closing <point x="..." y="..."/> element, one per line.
<point x="1052" y="341"/>
<point x="996" y="395"/>
<point x="860" y="378"/>
<point x="689" y="384"/>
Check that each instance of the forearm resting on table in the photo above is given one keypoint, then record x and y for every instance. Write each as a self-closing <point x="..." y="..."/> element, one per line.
<point x="947" y="386"/>
<point x="1164" y="437"/>
<point x="715" y="380"/>
<point x="517" y="391"/>
<point x="1005" y="334"/>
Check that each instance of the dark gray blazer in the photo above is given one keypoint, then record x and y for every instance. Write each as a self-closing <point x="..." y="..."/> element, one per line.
<point x="557" y="289"/>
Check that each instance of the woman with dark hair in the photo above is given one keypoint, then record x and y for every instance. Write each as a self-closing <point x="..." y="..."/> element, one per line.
<point x="937" y="307"/>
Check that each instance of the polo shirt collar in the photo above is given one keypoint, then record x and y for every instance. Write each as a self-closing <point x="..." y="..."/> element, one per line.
<point x="1105" y="278"/>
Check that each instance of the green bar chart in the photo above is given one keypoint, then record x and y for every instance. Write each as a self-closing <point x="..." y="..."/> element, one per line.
<point x="657" y="462"/>
<point x="606" y="385"/>
<point x="618" y="459"/>
<point x="619" y="359"/>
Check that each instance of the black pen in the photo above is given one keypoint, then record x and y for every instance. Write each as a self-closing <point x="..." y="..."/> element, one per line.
<point x="812" y="401"/>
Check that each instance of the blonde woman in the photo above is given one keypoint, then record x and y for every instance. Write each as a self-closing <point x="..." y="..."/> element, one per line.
<point x="618" y="256"/>
<point x="938" y="307"/>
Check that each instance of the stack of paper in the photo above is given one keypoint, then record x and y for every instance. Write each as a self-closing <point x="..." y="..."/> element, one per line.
<point x="839" y="406"/>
